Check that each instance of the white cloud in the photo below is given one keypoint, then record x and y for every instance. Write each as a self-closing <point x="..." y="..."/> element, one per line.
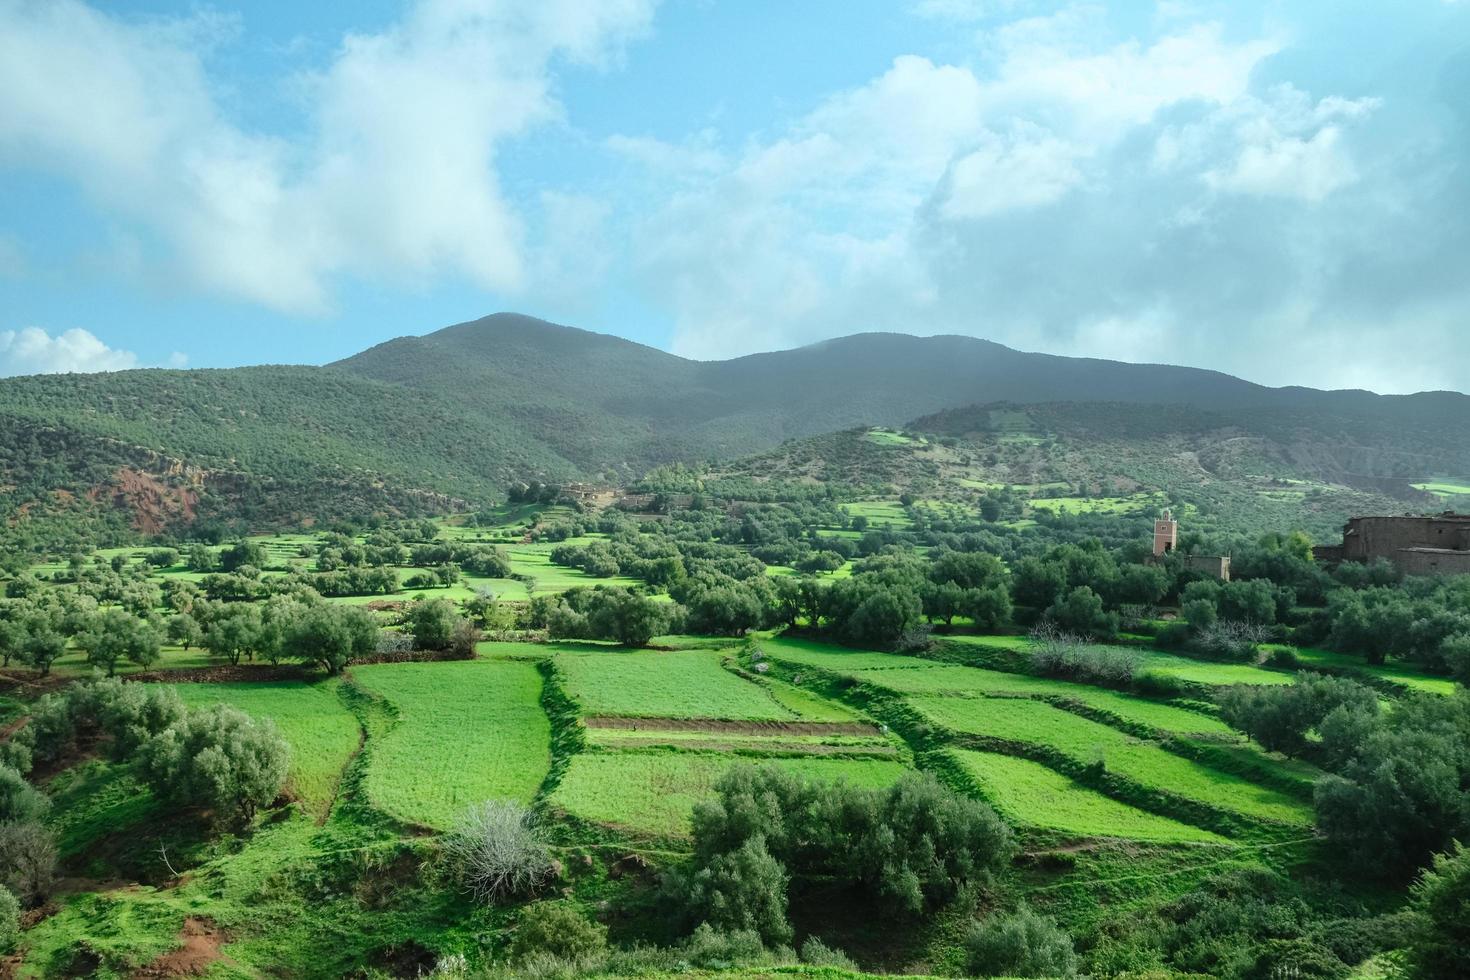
<point x="33" y="351"/>
<point x="394" y="175"/>
<point x="1018" y="172"/>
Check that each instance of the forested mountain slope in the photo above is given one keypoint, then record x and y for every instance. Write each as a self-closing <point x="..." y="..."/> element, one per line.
<point x="425" y="423"/>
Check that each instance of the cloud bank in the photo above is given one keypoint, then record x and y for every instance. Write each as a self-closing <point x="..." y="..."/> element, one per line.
<point x="394" y="176"/>
<point x="34" y="351"/>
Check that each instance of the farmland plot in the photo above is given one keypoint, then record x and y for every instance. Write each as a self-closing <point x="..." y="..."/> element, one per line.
<point x="1027" y="793"/>
<point x="1088" y="742"/>
<point x="466" y="731"/>
<point x="654" y="684"/>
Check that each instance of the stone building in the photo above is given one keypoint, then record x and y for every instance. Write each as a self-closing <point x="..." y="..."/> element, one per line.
<point x="1166" y="541"/>
<point x="1437" y="544"/>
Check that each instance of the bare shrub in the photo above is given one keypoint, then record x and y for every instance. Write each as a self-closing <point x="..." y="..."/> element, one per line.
<point x="1235" y="639"/>
<point x="498" y="851"/>
<point x="1058" y="653"/>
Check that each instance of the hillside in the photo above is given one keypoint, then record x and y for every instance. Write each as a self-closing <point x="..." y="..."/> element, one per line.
<point x="440" y="422"/>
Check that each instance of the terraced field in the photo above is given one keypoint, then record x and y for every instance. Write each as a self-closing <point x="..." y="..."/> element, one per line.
<point x="1028" y="794"/>
<point x="656" y="684"/>
<point x="465" y="731"/>
<point x="1087" y="742"/>
<point x="655" y="792"/>
<point x="322" y="733"/>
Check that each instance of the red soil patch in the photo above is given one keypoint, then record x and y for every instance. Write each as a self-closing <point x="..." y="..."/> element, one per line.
<point x="201" y="945"/>
<point x="734" y="727"/>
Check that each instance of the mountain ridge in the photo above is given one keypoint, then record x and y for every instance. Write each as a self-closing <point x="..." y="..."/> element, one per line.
<point x="462" y="411"/>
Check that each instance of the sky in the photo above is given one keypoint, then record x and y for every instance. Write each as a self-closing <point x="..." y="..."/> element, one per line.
<point x="1276" y="190"/>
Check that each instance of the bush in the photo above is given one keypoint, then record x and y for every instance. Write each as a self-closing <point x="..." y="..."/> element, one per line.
<point x="217" y="758"/>
<point x="912" y="846"/>
<point x="498" y="851"/>
<point x="1022" y="944"/>
<point x="556" y="929"/>
<point x="1440" y="946"/>
<point x="9" y="921"/>
<point x="1059" y="654"/>
<point x="27" y="859"/>
<point x="19" y="800"/>
<point x="743" y="889"/>
<point x="814" y="952"/>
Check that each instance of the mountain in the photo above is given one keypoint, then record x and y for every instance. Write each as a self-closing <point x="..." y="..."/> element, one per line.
<point x="428" y="423"/>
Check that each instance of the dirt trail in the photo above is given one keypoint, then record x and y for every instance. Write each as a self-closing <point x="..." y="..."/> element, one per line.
<point x="734" y="727"/>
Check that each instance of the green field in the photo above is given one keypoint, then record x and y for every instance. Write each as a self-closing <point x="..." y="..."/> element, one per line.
<point x="465" y="731"/>
<point x="654" y="792"/>
<point x="880" y="513"/>
<point x="911" y="675"/>
<point x="676" y="684"/>
<point x="1092" y="505"/>
<point x="1028" y="794"/>
<point x="1210" y="672"/>
<point x="323" y="734"/>
<point x="1397" y="673"/>
<point x="1087" y="742"/>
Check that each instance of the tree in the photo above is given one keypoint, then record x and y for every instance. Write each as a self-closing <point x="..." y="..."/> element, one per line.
<point x="1021" y="944"/>
<point x="201" y="558"/>
<point x="43" y="648"/>
<point x="27" y="859"/>
<point x="13" y="639"/>
<point x="742" y="889"/>
<point x="1081" y="611"/>
<point x="432" y="623"/>
<point x="185" y="630"/>
<point x="114" y="635"/>
<point x="627" y="617"/>
<point x="234" y="633"/>
<point x="1439" y="947"/>
<point x="330" y="636"/>
<point x="218" y="758"/>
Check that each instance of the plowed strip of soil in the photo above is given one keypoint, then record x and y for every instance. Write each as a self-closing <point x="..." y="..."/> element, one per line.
<point x="773" y="745"/>
<point x="734" y="727"/>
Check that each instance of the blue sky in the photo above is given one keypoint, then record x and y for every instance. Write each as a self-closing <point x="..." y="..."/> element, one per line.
<point x="1277" y="190"/>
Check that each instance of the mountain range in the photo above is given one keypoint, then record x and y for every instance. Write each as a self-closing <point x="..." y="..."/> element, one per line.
<point x="446" y="420"/>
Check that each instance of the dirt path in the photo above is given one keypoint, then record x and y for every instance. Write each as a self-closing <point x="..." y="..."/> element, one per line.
<point x="734" y="727"/>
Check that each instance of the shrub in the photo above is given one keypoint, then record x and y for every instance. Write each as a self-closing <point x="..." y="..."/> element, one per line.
<point x="743" y="889"/>
<point x="1060" y="654"/>
<point x="1440" y="946"/>
<point x="9" y="921"/>
<point x="814" y="952"/>
<point x="217" y="758"/>
<point x="1021" y="944"/>
<point x="27" y="859"/>
<point x="557" y="929"/>
<point x="710" y="948"/>
<point x="912" y="846"/>
<point x="498" y="851"/>
<point x="19" y="800"/>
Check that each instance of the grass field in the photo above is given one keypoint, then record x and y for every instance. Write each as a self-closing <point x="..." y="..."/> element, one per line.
<point x="654" y="792"/>
<point x="1189" y="669"/>
<point x="1028" y="794"/>
<point x="1087" y="742"/>
<point x="807" y="705"/>
<point x="1092" y="505"/>
<point x="466" y="731"/>
<point x="1401" y="674"/>
<point x="880" y="513"/>
<point x="323" y="734"/>
<point x="912" y="675"/>
<point x="887" y="437"/>
<point x="654" y="684"/>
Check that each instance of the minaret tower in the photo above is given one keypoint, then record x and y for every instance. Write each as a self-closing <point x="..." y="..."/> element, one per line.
<point x="1166" y="534"/>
